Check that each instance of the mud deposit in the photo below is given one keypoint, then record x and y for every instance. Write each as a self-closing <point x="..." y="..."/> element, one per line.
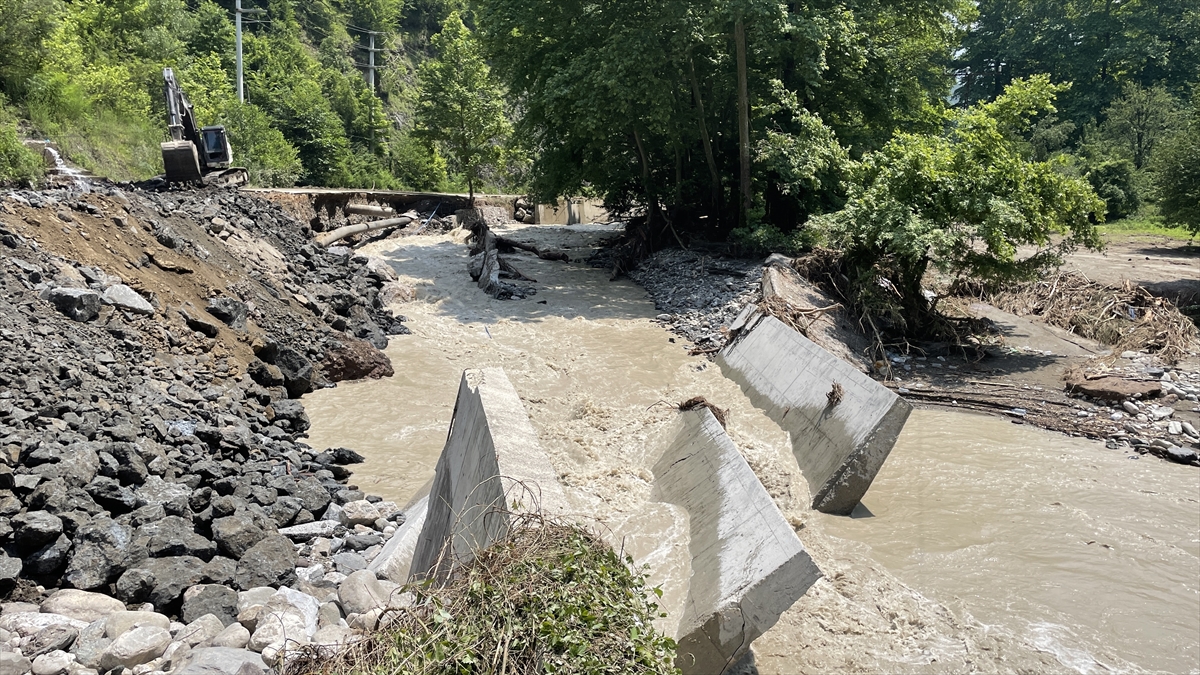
<point x="982" y="547"/>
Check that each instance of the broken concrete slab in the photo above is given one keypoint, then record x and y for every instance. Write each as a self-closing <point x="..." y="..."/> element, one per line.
<point x="825" y="320"/>
<point x="842" y="423"/>
<point x="394" y="562"/>
<point x="491" y="469"/>
<point x="747" y="565"/>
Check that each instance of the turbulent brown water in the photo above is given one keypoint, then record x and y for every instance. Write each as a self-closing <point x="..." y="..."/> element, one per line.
<point x="982" y="546"/>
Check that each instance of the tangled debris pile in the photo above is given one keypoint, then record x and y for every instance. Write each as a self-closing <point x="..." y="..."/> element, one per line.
<point x="699" y="295"/>
<point x="1128" y="317"/>
<point x="158" y="510"/>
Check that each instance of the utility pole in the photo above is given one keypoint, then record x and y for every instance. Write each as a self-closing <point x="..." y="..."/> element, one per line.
<point x="370" y="75"/>
<point x="238" y="11"/>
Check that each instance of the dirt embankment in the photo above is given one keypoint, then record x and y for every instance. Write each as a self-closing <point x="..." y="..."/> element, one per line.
<point x="150" y="441"/>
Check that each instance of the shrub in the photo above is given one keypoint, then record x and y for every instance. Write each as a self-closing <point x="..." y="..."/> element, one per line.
<point x="1114" y="183"/>
<point x="260" y="147"/>
<point x="17" y="163"/>
<point x="548" y="599"/>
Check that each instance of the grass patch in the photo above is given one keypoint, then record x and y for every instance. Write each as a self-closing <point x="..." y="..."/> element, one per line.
<point x="548" y="599"/>
<point x="1146" y="223"/>
<point x="111" y="145"/>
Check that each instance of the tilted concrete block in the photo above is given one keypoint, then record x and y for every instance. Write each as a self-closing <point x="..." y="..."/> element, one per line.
<point x="747" y="565"/>
<point x="840" y="435"/>
<point x="491" y="469"/>
<point x="394" y="562"/>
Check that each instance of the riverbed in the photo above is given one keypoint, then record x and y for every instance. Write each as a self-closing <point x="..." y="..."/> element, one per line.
<point x="981" y="546"/>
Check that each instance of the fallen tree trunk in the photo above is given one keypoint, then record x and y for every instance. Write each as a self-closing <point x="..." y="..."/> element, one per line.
<point x="342" y="232"/>
<point x="529" y="248"/>
<point x="487" y="265"/>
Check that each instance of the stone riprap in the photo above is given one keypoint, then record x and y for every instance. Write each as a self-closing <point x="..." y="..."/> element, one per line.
<point x="492" y="461"/>
<point x="747" y="565"/>
<point x="842" y="423"/>
<point x="156" y="496"/>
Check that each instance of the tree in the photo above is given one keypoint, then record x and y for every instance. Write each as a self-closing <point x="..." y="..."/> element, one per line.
<point x="640" y="100"/>
<point x="461" y="107"/>
<point x="1138" y="120"/>
<point x="1098" y="45"/>
<point x="1177" y="174"/>
<point x="965" y="200"/>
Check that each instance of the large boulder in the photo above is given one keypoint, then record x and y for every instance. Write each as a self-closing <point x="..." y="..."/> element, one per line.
<point x="80" y="304"/>
<point x="120" y="623"/>
<point x="98" y="554"/>
<point x="353" y="359"/>
<point x="270" y="562"/>
<point x="362" y="592"/>
<point x="297" y="371"/>
<point x="140" y="645"/>
<point x="236" y="534"/>
<point x="221" y="661"/>
<point x="124" y="297"/>
<point x="81" y="605"/>
<point x="215" y="599"/>
<point x="34" y="529"/>
<point x="169" y="578"/>
<point x="49" y="560"/>
<point x="175" y="537"/>
<point x="201" y="630"/>
<point x="230" y="310"/>
<point x="173" y="497"/>
<point x="27" y="624"/>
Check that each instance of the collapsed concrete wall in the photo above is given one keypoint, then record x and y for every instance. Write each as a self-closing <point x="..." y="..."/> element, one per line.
<point x="491" y="469"/>
<point x="842" y="423"/>
<point x="747" y="565"/>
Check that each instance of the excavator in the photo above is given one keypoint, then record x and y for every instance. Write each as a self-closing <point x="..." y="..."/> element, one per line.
<point x="195" y="155"/>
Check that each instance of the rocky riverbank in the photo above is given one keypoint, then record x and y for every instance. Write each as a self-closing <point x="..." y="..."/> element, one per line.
<point x="159" y="511"/>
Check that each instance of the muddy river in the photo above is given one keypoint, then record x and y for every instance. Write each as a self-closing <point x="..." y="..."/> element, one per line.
<point x="981" y="547"/>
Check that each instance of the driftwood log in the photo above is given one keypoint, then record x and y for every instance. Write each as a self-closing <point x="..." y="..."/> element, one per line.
<point x="341" y="233"/>
<point x="488" y="267"/>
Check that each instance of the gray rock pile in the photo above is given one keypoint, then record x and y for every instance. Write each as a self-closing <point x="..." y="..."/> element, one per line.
<point x="699" y="295"/>
<point x="159" y="512"/>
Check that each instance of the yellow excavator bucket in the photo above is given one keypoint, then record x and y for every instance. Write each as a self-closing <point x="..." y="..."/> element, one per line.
<point x="180" y="161"/>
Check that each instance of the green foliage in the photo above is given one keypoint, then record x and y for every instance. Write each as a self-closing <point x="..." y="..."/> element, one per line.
<point x="17" y="163"/>
<point x="548" y="599"/>
<point x="1177" y="174"/>
<point x="417" y="165"/>
<point x="24" y="25"/>
<point x="637" y="101"/>
<point x="1101" y="47"/>
<point x="1114" y="183"/>
<point x="460" y="107"/>
<point x="1137" y="122"/>
<point x="260" y="147"/>
<point x="966" y="200"/>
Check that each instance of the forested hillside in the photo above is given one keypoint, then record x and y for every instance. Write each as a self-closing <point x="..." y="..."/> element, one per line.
<point x="88" y="75"/>
<point x="749" y="117"/>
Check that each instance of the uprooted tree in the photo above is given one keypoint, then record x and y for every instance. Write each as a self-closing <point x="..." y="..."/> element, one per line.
<point x="964" y="201"/>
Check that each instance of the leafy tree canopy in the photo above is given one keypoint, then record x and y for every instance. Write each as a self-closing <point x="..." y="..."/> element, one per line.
<point x="966" y="200"/>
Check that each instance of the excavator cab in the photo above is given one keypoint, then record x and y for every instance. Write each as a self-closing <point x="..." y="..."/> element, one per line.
<point x="217" y="153"/>
<point x="192" y="154"/>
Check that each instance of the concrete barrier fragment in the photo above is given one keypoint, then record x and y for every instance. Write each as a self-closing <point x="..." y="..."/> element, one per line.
<point x="747" y="565"/>
<point x="842" y="423"/>
<point x="491" y="468"/>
